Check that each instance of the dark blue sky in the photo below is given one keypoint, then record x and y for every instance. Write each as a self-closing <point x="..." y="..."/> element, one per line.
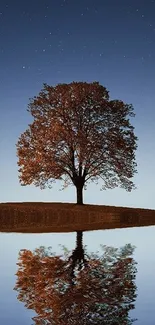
<point x="54" y="41"/>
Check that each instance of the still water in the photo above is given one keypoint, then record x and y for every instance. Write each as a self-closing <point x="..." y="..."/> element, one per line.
<point x="12" y="311"/>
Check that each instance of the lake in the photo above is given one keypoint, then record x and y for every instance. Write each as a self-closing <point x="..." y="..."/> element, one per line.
<point x="13" y="311"/>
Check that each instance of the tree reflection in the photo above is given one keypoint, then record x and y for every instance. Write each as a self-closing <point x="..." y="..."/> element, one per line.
<point x="78" y="288"/>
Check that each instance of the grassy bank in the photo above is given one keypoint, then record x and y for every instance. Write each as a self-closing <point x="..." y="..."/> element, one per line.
<point x="36" y="217"/>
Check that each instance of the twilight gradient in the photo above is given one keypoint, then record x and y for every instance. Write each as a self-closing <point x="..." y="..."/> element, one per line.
<point x="58" y="41"/>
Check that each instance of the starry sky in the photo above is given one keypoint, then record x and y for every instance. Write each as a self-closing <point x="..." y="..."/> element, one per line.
<point x="60" y="41"/>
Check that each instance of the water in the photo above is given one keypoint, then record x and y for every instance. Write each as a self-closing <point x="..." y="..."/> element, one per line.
<point x="13" y="312"/>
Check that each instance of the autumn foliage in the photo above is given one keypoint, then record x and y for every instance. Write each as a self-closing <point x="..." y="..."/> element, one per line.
<point x="78" y="135"/>
<point x="103" y="292"/>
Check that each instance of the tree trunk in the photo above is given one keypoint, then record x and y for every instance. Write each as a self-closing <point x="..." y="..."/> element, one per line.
<point x="79" y="193"/>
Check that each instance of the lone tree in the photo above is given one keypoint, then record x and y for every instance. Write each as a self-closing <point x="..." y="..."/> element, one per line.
<point x="78" y="135"/>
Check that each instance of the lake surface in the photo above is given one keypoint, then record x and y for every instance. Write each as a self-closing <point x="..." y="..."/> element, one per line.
<point x="12" y="311"/>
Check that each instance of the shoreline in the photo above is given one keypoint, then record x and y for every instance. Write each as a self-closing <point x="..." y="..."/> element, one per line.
<point x="43" y="217"/>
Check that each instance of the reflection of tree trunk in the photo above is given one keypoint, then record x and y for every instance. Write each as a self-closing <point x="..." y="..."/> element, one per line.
<point x="79" y="236"/>
<point x="78" y="256"/>
<point x="79" y="192"/>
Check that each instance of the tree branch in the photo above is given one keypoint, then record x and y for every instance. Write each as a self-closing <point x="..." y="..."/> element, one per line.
<point x="73" y="162"/>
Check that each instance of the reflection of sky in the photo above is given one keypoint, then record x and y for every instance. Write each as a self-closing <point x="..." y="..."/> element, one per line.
<point x="11" y="311"/>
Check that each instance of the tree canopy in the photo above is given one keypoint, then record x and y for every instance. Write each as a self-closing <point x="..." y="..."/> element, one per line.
<point x="78" y="135"/>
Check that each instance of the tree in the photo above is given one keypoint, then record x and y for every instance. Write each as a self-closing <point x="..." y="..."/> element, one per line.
<point x="78" y="135"/>
<point x="104" y="289"/>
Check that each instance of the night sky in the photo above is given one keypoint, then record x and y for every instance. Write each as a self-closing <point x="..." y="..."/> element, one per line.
<point x="56" y="41"/>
